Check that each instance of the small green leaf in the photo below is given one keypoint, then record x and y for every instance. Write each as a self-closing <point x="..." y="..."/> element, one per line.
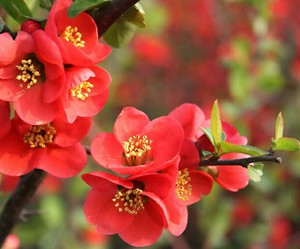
<point x="279" y="126"/>
<point x="79" y="6"/>
<point x="18" y="10"/>
<point x="1" y="27"/>
<point x="207" y="132"/>
<point x="286" y="144"/>
<point x="120" y="33"/>
<point x="244" y="149"/>
<point x="135" y="15"/>
<point x="255" y="172"/>
<point x="216" y="125"/>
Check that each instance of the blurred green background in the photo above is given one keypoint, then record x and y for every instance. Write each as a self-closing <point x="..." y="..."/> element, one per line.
<point x="246" y="54"/>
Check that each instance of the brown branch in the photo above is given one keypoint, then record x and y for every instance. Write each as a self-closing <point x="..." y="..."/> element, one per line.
<point x="244" y="162"/>
<point x="18" y="200"/>
<point x="105" y="17"/>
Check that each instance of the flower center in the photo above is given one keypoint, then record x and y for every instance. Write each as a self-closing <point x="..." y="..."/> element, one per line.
<point x="39" y="135"/>
<point x="82" y="90"/>
<point x="137" y="150"/>
<point x="131" y="201"/>
<point x="30" y="71"/>
<point x="183" y="188"/>
<point x="72" y="35"/>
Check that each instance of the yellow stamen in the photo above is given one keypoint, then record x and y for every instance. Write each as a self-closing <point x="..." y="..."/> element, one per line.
<point x="183" y="188"/>
<point x="131" y="201"/>
<point x="39" y="135"/>
<point x="82" y="90"/>
<point x="74" y="36"/>
<point x="29" y="73"/>
<point x="137" y="150"/>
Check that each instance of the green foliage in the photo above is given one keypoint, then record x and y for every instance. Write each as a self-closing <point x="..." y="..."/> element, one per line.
<point x="122" y="31"/>
<point x="283" y="143"/>
<point x="18" y="10"/>
<point x="245" y="149"/>
<point x="286" y="144"/>
<point x="255" y="171"/>
<point x="216" y="126"/>
<point x="79" y="6"/>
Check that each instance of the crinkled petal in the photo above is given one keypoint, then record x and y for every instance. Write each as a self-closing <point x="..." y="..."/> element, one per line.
<point x="191" y="117"/>
<point x="167" y="136"/>
<point x="15" y="156"/>
<point x="201" y="183"/>
<point x="32" y="109"/>
<point x="146" y="227"/>
<point x="69" y="134"/>
<point x="62" y="162"/>
<point x="100" y="210"/>
<point x="232" y="178"/>
<point x="7" y="49"/>
<point x="106" y="150"/>
<point x="130" y="122"/>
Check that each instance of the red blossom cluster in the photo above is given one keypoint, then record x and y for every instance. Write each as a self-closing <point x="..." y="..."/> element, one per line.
<point x="156" y="173"/>
<point x="50" y="78"/>
<point x="51" y="87"/>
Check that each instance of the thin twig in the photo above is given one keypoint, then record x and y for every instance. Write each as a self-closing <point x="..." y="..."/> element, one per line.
<point x="244" y="162"/>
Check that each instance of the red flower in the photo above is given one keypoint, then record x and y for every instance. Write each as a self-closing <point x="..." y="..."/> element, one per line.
<point x="5" y="118"/>
<point x="138" y="145"/>
<point x="191" y="183"/>
<point x="33" y="78"/>
<point x="131" y="207"/>
<point x="53" y="147"/>
<point x="77" y="38"/>
<point x="86" y="92"/>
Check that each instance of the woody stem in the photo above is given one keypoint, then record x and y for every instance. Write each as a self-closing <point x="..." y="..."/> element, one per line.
<point x="105" y="17"/>
<point x="23" y="193"/>
<point x="244" y="162"/>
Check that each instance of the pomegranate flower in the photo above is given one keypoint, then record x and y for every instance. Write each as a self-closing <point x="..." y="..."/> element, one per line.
<point x="86" y="92"/>
<point x="53" y="147"/>
<point x="138" y="145"/>
<point x="32" y="77"/>
<point x="5" y="118"/>
<point x="133" y="207"/>
<point x="77" y="38"/>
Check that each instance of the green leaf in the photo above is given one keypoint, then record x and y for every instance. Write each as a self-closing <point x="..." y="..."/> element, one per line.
<point x="207" y="132"/>
<point x="244" y="149"/>
<point x="135" y="15"/>
<point x="120" y="33"/>
<point x="286" y="144"/>
<point x="279" y="126"/>
<point x="255" y="172"/>
<point x="18" y="10"/>
<point x="216" y="125"/>
<point x="79" y="6"/>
